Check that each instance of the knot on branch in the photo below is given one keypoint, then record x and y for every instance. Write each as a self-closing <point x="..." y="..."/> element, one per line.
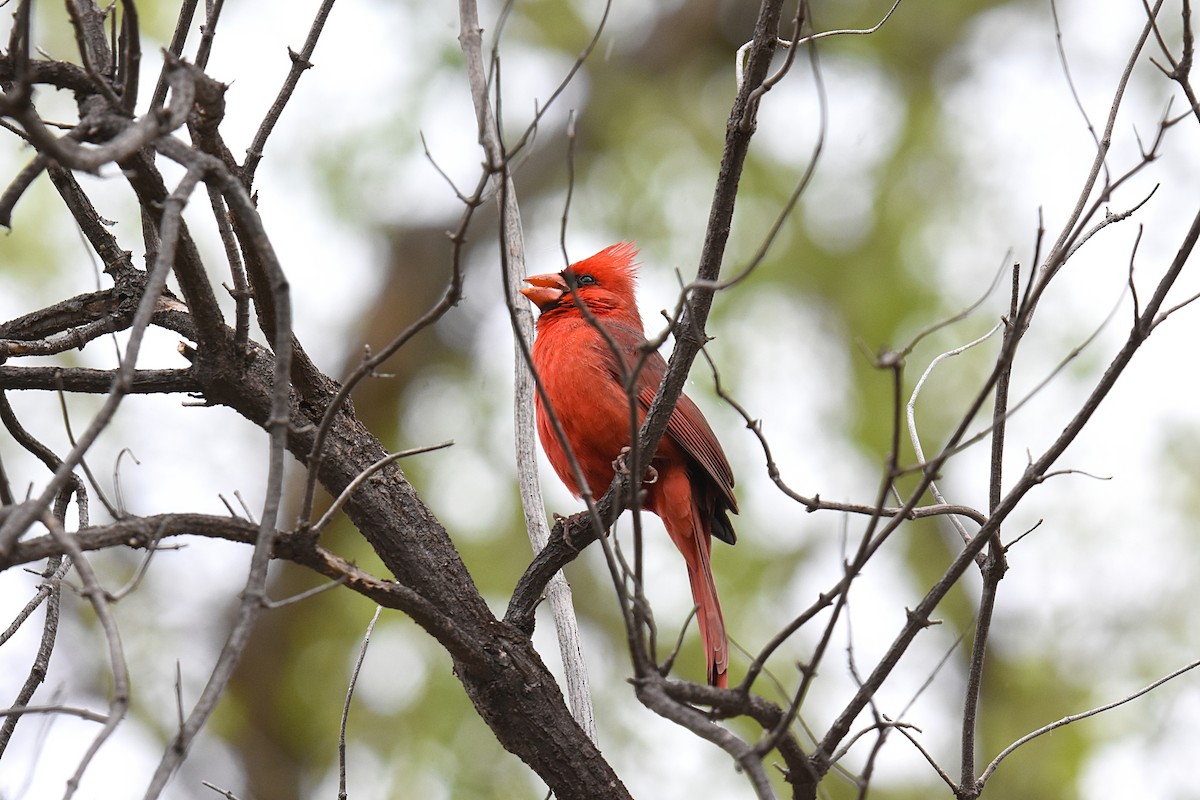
<point x="920" y="620"/>
<point x="299" y="60"/>
<point x="208" y="106"/>
<point x="890" y="359"/>
<point x="996" y="564"/>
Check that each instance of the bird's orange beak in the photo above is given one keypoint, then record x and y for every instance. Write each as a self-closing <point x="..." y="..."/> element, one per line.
<point x="546" y="290"/>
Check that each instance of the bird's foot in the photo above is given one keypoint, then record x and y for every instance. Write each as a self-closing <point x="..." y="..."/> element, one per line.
<point x="575" y="522"/>
<point x="563" y="523"/>
<point x="621" y="465"/>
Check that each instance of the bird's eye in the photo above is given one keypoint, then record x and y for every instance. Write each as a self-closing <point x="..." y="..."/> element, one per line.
<point x="586" y="280"/>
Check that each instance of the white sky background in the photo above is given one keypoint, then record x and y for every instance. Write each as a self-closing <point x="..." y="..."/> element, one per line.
<point x="1007" y="106"/>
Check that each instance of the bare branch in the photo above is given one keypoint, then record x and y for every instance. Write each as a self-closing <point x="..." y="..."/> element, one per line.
<point x="98" y="381"/>
<point x="209" y="31"/>
<point x="1066" y="70"/>
<point x="910" y="410"/>
<point x="362" y="654"/>
<point x="1053" y="726"/>
<point x="50" y="592"/>
<point x="82" y="713"/>
<point x="300" y="62"/>
<point x="740" y="57"/>
<point x="1059" y="252"/>
<point x="119" y="702"/>
<point x="187" y="11"/>
<point x="994" y="565"/>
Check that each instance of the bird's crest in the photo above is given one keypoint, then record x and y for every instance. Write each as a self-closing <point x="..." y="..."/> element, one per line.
<point x="615" y="266"/>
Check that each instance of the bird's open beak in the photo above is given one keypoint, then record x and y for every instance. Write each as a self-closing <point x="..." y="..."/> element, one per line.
<point x="546" y="290"/>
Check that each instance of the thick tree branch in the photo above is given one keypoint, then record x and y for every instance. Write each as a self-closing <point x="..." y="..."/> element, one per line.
<point x="97" y="381"/>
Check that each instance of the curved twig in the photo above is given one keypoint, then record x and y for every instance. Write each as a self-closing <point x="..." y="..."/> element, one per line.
<point x="365" y="475"/>
<point x="1059" y="723"/>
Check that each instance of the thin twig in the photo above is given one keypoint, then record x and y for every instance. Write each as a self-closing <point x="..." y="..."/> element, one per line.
<point x="82" y="713"/>
<point x="49" y="591"/>
<point x="300" y="62"/>
<point x="740" y="56"/>
<point x="208" y="32"/>
<point x="789" y="207"/>
<point x="365" y="475"/>
<point x="362" y="655"/>
<point x="914" y="435"/>
<point x="1058" y="253"/>
<point x="306" y="594"/>
<point x="994" y="565"/>
<point x="183" y="24"/>
<point x="119" y="702"/>
<point x="1053" y="726"/>
<point x="1066" y="70"/>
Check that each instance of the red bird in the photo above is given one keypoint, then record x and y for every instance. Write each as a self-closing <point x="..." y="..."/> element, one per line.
<point x="581" y="375"/>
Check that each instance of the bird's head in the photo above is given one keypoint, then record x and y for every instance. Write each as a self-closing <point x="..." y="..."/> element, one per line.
<point x="604" y="283"/>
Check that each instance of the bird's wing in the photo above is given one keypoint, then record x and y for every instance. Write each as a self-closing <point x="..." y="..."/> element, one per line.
<point x="687" y="426"/>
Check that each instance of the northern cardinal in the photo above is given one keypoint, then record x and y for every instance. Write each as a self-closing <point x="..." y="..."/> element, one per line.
<point x="581" y="375"/>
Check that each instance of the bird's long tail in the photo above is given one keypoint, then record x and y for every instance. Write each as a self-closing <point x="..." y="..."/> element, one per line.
<point x="708" y="614"/>
<point x="689" y="530"/>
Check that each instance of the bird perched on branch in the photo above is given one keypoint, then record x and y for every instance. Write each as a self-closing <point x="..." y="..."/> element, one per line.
<point x="584" y="370"/>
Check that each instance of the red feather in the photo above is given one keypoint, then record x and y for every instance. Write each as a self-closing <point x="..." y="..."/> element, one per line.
<point x="581" y="375"/>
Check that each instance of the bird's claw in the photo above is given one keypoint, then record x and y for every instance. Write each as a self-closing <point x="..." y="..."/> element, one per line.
<point x="567" y="523"/>
<point x="620" y="465"/>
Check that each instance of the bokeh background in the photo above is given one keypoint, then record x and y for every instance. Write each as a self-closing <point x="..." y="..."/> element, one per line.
<point x="945" y="135"/>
